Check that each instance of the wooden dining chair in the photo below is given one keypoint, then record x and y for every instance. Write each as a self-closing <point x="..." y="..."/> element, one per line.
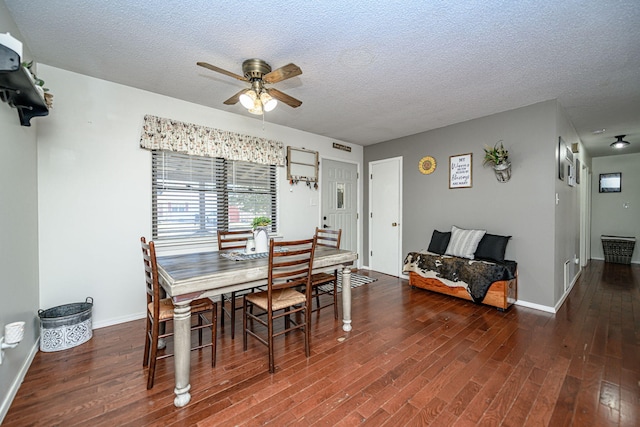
<point x="329" y="238"/>
<point x="228" y="240"/>
<point x="160" y="312"/>
<point x="290" y="264"/>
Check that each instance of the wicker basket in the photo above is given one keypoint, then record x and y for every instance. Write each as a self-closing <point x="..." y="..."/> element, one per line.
<point x="618" y="249"/>
<point x="65" y="326"/>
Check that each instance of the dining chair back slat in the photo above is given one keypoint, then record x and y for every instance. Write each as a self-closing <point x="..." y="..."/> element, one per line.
<point x="330" y="238"/>
<point x="228" y="240"/>
<point x="160" y="312"/>
<point x="233" y="239"/>
<point x="290" y="266"/>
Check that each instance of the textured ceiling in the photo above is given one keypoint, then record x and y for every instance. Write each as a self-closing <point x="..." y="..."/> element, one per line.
<point x="372" y="70"/>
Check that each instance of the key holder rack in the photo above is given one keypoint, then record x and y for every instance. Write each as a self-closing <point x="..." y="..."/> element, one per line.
<point x="302" y="166"/>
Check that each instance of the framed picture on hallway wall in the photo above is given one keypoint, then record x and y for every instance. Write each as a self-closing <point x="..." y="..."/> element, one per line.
<point x="610" y="182"/>
<point x="562" y="149"/>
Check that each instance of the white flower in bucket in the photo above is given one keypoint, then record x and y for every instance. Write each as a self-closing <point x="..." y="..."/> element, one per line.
<point x="498" y="158"/>
<point x="260" y="234"/>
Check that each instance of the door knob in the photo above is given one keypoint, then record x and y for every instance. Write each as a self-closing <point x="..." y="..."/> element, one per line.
<point x="394" y="224"/>
<point x="325" y="226"/>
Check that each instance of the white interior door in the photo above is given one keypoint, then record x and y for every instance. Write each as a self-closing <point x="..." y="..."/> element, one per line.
<point x="385" y="215"/>
<point x="340" y="200"/>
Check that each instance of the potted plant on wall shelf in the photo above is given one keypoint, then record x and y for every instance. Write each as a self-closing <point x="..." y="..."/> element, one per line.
<point x="498" y="158"/>
<point x="44" y="92"/>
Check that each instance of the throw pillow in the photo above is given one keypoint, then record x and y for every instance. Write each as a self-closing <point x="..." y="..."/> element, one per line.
<point x="463" y="242"/>
<point x="439" y="242"/>
<point x="492" y="247"/>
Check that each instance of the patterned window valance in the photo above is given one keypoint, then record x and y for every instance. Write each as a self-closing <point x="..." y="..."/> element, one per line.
<point x="165" y="134"/>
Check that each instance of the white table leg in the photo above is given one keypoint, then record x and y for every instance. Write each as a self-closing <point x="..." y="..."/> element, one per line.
<point x="182" y="338"/>
<point x="346" y="299"/>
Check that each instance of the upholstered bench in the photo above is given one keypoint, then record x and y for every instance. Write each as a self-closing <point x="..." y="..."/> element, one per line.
<point x="467" y="264"/>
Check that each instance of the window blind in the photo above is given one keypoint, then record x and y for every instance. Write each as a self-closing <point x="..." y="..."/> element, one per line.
<point x="193" y="197"/>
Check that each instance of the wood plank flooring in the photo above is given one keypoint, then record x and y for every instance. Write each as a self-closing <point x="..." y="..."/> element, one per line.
<point x="414" y="358"/>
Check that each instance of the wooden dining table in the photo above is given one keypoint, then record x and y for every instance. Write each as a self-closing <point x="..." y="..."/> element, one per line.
<point x="186" y="277"/>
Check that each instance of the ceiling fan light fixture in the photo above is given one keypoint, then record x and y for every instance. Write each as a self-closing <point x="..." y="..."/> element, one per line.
<point x="268" y="102"/>
<point x="619" y="143"/>
<point x="257" y="73"/>
<point x="248" y="99"/>
<point x="256" y="108"/>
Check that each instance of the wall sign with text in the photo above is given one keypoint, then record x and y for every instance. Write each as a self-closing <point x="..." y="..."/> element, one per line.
<point x="460" y="169"/>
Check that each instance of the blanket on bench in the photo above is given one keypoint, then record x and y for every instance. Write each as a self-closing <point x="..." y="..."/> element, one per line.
<point x="475" y="275"/>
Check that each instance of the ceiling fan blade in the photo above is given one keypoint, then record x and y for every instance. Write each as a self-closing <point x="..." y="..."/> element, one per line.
<point x="235" y="98"/>
<point x="283" y="97"/>
<point x="220" y="70"/>
<point x="282" y="73"/>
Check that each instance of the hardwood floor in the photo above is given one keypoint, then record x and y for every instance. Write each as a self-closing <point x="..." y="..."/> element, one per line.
<point x="414" y="358"/>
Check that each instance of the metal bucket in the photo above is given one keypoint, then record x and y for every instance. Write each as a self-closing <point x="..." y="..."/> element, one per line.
<point x="65" y="326"/>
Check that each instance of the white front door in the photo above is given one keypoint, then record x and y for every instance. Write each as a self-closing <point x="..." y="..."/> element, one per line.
<point x="340" y="200"/>
<point x="385" y="215"/>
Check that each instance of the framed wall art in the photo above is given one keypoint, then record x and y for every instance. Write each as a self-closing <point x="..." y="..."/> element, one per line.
<point x="568" y="154"/>
<point x="562" y="148"/>
<point x="610" y="182"/>
<point x="570" y="175"/>
<point x="460" y="170"/>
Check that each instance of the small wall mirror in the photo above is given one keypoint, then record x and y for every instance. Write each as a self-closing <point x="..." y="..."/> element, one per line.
<point x="611" y="182"/>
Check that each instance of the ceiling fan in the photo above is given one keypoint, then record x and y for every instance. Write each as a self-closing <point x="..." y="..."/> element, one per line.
<point x="259" y="98"/>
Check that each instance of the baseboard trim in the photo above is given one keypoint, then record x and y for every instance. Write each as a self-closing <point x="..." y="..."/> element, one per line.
<point x="602" y="259"/>
<point x="566" y="294"/>
<point x="13" y="389"/>
<point x="118" y="320"/>
<point x="535" y="306"/>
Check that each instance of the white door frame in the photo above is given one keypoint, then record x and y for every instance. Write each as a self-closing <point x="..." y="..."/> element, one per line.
<point x="398" y="159"/>
<point x="585" y="229"/>
<point x="358" y="200"/>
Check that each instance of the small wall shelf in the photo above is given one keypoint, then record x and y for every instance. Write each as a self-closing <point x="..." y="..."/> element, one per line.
<point x="17" y="89"/>
<point x="302" y="165"/>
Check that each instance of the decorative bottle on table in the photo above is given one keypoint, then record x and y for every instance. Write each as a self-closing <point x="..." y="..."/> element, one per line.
<point x="251" y="245"/>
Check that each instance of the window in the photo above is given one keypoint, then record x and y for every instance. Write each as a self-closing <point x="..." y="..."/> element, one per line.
<point x="193" y="197"/>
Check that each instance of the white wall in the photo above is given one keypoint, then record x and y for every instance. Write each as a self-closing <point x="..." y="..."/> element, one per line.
<point x="18" y="236"/>
<point x="94" y="187"/>
<point x="608" y="214"/>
